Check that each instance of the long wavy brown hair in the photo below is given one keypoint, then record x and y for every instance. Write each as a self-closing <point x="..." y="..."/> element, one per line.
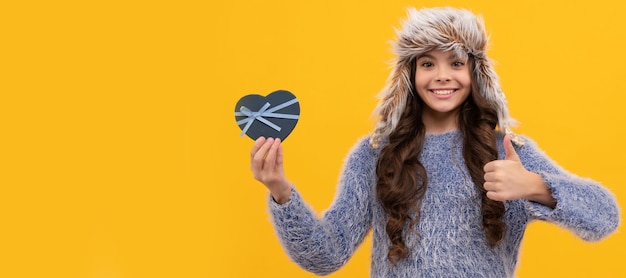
<point x="402" y="179"/>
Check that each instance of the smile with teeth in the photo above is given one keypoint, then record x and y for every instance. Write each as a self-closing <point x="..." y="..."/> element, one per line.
<point x="443" y="92"/>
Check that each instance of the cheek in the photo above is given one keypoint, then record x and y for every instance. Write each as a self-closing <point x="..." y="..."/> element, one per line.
<point x="421" y="80"/>
<point x="464" y="78"/>
<point x="467" y="82"/>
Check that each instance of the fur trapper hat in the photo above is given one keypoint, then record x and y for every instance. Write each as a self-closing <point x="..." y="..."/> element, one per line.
<point x="445" y="29"/>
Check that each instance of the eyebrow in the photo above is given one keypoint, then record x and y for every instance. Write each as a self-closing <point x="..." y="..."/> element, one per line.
<point x="451" y="57"/>
<point x="425" y="56"/>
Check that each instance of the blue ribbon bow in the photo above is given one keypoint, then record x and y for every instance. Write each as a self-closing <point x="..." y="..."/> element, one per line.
<point x="264" y="113"/>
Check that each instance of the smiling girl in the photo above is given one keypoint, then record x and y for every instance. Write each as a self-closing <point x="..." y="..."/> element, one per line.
<point x="444" y="184"/>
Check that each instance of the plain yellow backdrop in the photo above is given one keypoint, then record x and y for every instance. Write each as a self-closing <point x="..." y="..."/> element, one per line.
<point x="121" y="156"/>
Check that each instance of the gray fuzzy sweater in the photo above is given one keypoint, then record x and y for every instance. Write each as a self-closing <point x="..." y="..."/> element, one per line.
<point x="452" y="242"/>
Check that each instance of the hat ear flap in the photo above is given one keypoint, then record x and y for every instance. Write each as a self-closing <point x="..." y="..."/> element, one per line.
<point x="393" y="99"/>
<point x="487" y="80"/>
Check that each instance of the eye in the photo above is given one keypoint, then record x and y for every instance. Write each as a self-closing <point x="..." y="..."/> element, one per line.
<point x="426" y="64"/>
<point x="458" y="64"/>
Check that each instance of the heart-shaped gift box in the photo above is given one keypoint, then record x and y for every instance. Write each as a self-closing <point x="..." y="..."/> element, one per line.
<point x="274" y="115"/>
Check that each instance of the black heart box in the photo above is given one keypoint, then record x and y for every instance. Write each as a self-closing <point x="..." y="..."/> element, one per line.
<point x="274" y="115"/>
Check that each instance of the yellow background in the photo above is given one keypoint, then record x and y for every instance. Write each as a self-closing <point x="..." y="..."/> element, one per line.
<point x="121" y="157"/>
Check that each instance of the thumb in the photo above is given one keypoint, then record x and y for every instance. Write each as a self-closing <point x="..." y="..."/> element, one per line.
<point x="510" y="153"/>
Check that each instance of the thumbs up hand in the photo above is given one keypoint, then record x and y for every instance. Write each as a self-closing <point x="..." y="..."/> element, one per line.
<point x="508" y="179"/>
<point x="510" y="153"/>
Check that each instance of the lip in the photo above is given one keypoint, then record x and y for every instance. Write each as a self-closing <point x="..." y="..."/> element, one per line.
<point x="443" y="93"/>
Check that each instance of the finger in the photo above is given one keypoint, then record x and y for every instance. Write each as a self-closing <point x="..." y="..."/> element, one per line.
<point x="509" y="150"/>
<point x="490" y="177"/>
<point x="494" y="196"/>
<point x="259" y="156"/>
<point x="279" y="157"/>
<point x="490" y="166"/>
<point x="257" y="145"/>
<point x="272" y="153"/>
<point x="489" y="186"/>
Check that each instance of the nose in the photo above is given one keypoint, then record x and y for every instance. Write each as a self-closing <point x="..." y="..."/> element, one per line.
<point x="443" y="74"/>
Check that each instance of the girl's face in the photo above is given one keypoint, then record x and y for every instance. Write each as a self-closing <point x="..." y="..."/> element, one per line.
<point x="443" y="82"/>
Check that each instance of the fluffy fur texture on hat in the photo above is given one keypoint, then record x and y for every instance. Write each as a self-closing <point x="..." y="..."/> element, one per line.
<point x="444" y="29"/>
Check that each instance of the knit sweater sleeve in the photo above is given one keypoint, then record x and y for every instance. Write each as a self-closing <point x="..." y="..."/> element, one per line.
<point x="583" y="206"/>
<point x="323" y="245"/>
